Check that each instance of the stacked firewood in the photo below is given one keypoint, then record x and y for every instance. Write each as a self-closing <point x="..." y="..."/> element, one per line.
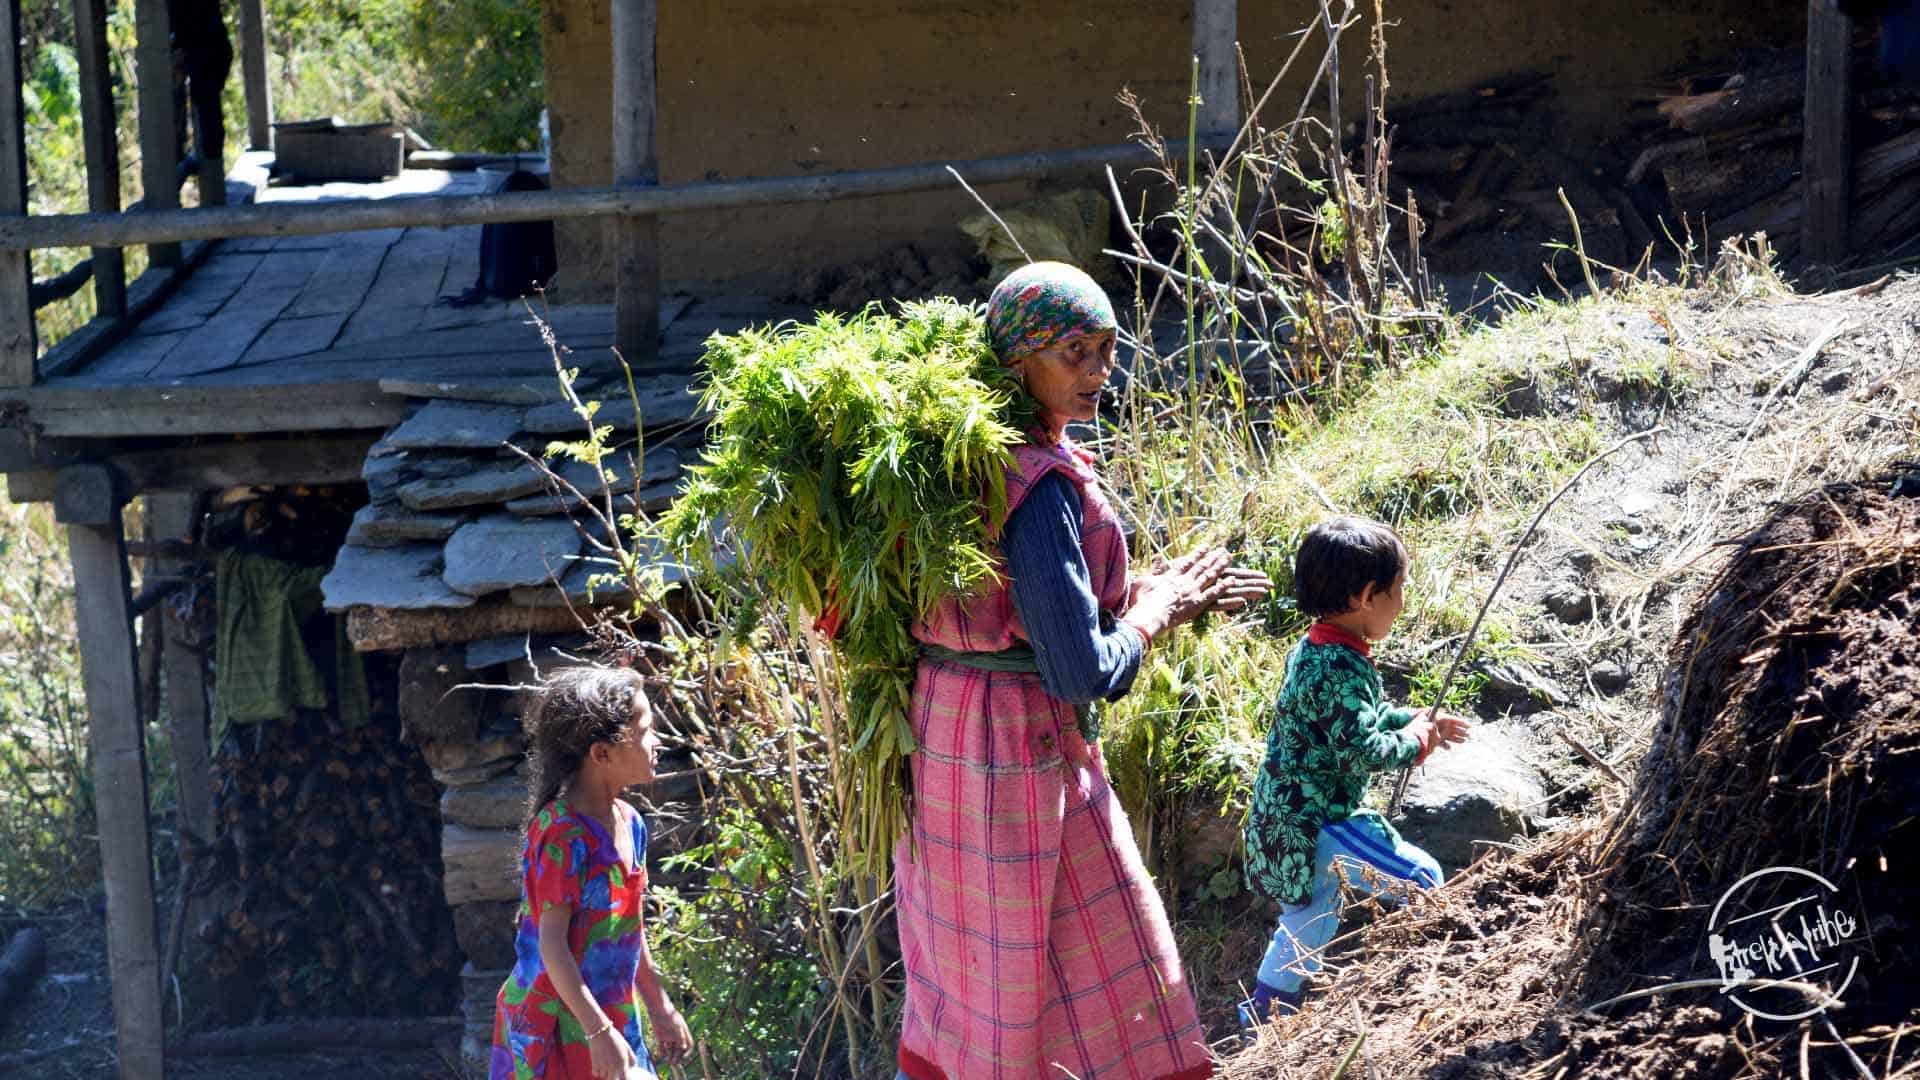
<point x="323" y="887"/>
<point x="1719" y="156"/>
<point x="1483" y="159"/>
<point x="1725" y="150"/>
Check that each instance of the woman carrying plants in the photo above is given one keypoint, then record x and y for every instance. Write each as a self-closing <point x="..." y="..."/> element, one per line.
<point x="1035" y="944"/>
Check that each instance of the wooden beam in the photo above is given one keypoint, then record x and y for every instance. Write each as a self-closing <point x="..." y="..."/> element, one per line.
<point x="159" y="135"/>
<point x="321" y="1034"/>
<point x="371" y="629"/>
<point x="120" y="411"/>
<point x="21" y="451"/>
<point x="1215" y="28"/>
<point x="89" y="494"/>
<point x="1826" y="158"/>
<point x="253" y="74"/>
<point x="17" y="344"/>
<point x="99" y="133"/>
<point x="636" y="266"/>
<point x="173" y="515"/>
<point x="104" y="621"/>
<point x="320" y="460"/>
<point x="443" y="211"/>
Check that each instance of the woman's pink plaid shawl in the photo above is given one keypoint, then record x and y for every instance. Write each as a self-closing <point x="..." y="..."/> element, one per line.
<point x="1035" y="944"/>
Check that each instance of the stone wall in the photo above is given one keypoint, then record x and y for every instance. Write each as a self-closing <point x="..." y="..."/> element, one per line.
<point x="785" y="88"/>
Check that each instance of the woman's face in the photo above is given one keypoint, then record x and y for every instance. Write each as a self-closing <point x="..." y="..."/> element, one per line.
<point x="1067" y="376"/>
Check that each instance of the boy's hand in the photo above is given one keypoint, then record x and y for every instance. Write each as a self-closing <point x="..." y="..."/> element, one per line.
<point x="1451" y="729"/>
<point x="670" y="1033"/>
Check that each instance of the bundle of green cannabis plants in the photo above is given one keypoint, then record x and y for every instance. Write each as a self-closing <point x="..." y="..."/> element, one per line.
<point x="857" y="466"/>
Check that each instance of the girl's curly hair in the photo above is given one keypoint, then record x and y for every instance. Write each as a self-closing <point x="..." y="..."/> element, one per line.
<point x="575" y="708"/>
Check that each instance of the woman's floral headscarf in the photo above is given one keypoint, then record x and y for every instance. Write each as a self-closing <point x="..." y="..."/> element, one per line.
<point x="1042" y="303"/>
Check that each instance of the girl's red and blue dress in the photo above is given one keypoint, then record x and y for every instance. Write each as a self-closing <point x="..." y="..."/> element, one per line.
<point x="571" y="859"/>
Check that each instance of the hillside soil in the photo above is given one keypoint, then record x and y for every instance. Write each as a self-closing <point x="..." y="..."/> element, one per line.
<point x="1745" y="664"/>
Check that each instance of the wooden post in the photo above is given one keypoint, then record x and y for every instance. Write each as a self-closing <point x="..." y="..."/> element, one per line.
<point x="89" y="505"/>
<point x="17" y="345"/>
<point x="1827" y="151"/>
<point x="636" y="288"/>
<point x="1215" y="25"/>
<point x="159" y="138"/>
<point x="253" y="74"/>
<point x="172" y="514"/>
<point x="102" y="147"/>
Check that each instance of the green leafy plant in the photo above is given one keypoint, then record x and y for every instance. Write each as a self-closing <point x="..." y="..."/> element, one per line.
<point x="741" y="971"/>
<point x="857" y="465"/>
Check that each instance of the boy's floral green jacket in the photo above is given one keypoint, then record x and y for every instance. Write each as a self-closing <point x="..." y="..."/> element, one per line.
<point x="1332" y="729"/>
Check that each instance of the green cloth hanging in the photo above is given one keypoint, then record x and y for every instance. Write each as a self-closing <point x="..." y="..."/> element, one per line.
<point x="263" y="668"/>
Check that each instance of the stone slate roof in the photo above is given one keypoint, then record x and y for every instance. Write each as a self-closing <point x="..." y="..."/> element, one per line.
<point x="457" y="517"/>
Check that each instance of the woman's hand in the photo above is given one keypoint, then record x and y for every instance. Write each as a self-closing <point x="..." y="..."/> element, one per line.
<point x="1193" y="583"/>
<point x="612" y="1058"/>
<point x="670" y="1033"/>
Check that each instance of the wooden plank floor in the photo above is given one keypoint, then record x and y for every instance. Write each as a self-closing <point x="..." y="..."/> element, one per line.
<point x="323" y="318"/>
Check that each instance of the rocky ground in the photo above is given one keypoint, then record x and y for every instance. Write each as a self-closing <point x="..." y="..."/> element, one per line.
<point x="1753" y="413"/>
<point x="1761" y="399"/>
<point x="1769" y="400"/>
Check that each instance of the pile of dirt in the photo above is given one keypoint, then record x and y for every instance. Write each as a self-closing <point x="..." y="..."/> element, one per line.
<point x="1791" y="713"/>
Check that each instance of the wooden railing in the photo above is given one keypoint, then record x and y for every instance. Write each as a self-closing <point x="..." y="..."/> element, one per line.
<point x="635" y="201"/>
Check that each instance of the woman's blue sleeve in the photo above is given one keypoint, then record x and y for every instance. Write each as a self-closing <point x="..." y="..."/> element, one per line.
<point x="1082" y="657"/>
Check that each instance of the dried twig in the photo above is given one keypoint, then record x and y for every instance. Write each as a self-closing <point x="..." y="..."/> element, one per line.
<point x="997" y="219"/>
<point x="1593" y="758"/>
<point x="1466" y="643"/>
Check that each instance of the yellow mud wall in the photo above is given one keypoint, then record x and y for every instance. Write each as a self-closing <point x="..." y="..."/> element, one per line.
<point x="793" y="87"/>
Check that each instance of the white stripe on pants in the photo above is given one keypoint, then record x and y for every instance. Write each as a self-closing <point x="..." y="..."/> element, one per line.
<point x="1347" y="848"/>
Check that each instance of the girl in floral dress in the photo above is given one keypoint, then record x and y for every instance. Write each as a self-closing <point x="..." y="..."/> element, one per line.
<point x="571" y="1007"/>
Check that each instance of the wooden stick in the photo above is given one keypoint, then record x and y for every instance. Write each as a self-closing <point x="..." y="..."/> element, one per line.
<point x="176" y="522"/>
<point x="17" y="345"/>
<point x="159" y="146"/>
<point x="442" y="211"/>
<point x="1807" y="989"/>
<point x="253" y="74"/>
<point x="1593" y="758"/>
<point x="306" y="1035"/>
<point x="997" y="219"/>
<point x="1825" y="154"/>
<point x="100" y="135"/>
<point x="105" y="629"/>
<point x="1466" y="643"/>
<point x="1215" y="23"/>
<point x="636" y="256"/>
<point x="68" y="281"/>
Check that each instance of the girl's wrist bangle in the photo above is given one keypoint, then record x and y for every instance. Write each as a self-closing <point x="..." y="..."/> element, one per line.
<point x="604" y="1028"/>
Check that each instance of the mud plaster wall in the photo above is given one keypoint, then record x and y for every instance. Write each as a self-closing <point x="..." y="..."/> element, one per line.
<point x="792" y="87"/>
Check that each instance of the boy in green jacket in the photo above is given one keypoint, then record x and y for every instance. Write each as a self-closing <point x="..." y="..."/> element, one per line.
<point x="1332" y="729"/>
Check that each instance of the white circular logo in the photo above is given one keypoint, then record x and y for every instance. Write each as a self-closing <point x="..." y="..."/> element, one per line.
<point x="1784" y="945"/>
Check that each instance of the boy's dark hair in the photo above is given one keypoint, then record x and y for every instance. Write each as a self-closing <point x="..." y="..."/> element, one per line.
<point x="1339" y="558"/>
<point x="575" y="708"/>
